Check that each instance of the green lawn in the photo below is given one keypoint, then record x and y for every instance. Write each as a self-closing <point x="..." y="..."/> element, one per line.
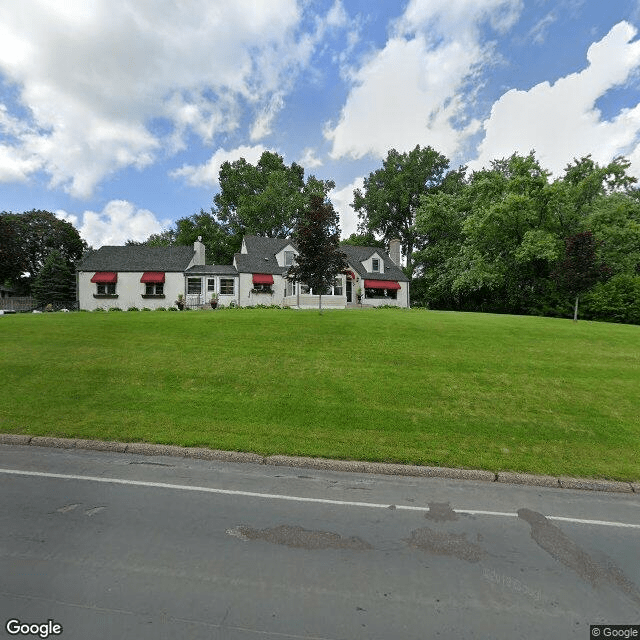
<point x="480" y="391"/>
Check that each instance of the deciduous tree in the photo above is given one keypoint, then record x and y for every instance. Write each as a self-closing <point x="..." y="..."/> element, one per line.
<point x="264" y="199"/>
<point x="13" y="261"/>
<point x="391" y="195"/>
<point x="319" y="258"/>
<point x="580" y="268"/>
<point x="39" y="233"/>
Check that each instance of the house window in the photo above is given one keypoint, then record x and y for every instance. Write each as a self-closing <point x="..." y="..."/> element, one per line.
<point x="106" y="289"/>
<point x="262" y="288"/>
<point x="227" y="286"/>
<point x="288" y="258"/>
<point x="337" y="287"/>
<point x="154" y="289"/>
<point x="375" y="264"/>
<point x="211" y="285"/>
<point x="194" y="285"/>
<point x="291" y="288"/>
<point x="304" y="288"/>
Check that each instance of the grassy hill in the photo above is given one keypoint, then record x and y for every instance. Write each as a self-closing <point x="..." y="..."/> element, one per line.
<point x="482" y="391"/>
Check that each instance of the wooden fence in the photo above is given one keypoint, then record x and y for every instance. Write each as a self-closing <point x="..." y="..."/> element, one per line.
<point x="23" y="304"/>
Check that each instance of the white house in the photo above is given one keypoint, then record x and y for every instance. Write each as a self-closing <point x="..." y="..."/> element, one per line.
<point x="140" y="276"/>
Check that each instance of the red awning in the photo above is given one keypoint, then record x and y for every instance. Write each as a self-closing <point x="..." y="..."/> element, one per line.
<point x="262" y="278"/>
<point x="153" y="277"/>
<point x="350" y="274"/>
<point x="381" y="284"/>
<point x="105" y="277"/>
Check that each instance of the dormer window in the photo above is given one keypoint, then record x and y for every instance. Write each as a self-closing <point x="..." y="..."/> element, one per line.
<point x="375" y="265"/>
<point x="288" y="258"/>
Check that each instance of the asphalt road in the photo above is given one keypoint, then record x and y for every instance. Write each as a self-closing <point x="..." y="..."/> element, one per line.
<point x="122" y="546"/>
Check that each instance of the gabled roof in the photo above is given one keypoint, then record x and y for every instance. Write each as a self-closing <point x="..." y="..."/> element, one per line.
<point x="261" y="255"/>
<point x="137" y="258"/>
<point x="212" y="269"/>
<point x="357" y="255"/>
<point x="260" y="258"/>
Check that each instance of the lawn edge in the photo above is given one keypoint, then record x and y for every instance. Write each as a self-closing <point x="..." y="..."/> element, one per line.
<point x="326" y="464"/>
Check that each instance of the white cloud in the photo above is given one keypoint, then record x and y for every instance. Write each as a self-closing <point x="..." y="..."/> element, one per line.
<point x="413" y="90"/>
<point x="206" y="175"/>
<point x="561" y="120"/>
<point x="538" y="32"/>
<point x="118" y="222"/>
<point x="16" y="166"/>
<point x="337" y="16"/>
<point x="263" y="123"/>
<point x="92" y="77"/>
<point x="342" y="199"/>
<point x="309" y="160"/>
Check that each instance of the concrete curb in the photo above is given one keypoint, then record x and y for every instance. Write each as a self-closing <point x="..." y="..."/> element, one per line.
<point x="596" y="485"/>
<point x="324" y="464"/>
<point x="510" y="477"/>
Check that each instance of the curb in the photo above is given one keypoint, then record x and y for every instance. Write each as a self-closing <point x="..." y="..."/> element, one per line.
<point x="325" y="464"/>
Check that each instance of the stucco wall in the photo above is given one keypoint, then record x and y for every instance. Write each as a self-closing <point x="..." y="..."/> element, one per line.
<point x="204" y="297"/>
<point x="249" y="299"/>
<point x="129" y="292"/>
<point x="402" y="297"/>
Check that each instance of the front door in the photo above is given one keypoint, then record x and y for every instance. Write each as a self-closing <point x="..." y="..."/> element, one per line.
<point x="195" y="297"/>
<point x="349" y="288"/>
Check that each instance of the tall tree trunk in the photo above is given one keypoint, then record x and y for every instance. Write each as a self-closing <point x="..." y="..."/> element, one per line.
<point x="575" y="310"/>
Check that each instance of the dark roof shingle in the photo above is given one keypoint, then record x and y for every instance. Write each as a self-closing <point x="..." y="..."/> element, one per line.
<point x="261" y="255"/>
<point x="357" y="255"/>
<point x="212" y="269"/>
<point x="137" y="258"/>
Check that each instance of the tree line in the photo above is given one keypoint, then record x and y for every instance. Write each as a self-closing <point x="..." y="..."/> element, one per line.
<point x="38" y="254"/>
<point x="504" y="239"/>
<point x="508" y="239"/>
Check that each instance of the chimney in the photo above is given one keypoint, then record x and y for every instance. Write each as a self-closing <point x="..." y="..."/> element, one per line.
<point x="394" y="251"/>
<point x="198" y="247"/>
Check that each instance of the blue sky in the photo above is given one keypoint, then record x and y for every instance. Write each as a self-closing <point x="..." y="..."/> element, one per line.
<point x="117" y="114"/>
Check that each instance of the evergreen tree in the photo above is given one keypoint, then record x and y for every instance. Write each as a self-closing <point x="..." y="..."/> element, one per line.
<point x="55" y="281"/>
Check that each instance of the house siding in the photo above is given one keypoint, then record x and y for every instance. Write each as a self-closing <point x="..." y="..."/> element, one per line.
<point x="250" y="299"/>
<point x="402" y="299"/>
<point x="258" y="255"/>
<point x="129" y="291"/>
<point x="204" y="297"/>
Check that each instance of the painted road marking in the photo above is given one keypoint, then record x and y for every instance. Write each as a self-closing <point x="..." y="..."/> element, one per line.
<point x="277" y="496"/>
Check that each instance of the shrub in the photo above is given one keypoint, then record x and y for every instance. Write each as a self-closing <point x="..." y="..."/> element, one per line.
<point x="98" y="310"/>
<point x="146" y="309"/>
<point x="160" y="309"/>
<point x="133" y="309"/>
<point x="172" y="308"/>
<point x="617" y="300"/>
<point x="114" y="309"/>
